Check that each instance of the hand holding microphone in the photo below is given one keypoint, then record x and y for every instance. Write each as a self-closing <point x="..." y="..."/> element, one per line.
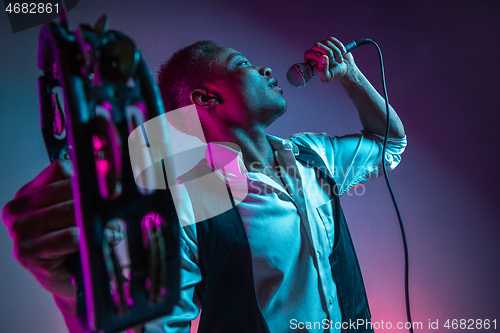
<point x="330" y="59"/>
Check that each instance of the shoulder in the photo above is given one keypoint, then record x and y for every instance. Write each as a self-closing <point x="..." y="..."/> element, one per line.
<point x="319" y="142"/>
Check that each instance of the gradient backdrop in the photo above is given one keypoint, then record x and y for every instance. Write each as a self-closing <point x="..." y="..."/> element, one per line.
<point x="442" y="77"/>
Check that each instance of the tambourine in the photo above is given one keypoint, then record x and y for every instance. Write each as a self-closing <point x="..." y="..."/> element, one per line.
<point x="97" y="92"/>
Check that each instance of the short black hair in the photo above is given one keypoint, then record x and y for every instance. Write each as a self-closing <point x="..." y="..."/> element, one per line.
<point x="185" y="71"/>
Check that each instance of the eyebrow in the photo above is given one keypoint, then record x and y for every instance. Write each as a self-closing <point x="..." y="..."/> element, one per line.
<point x="232" y="56"/>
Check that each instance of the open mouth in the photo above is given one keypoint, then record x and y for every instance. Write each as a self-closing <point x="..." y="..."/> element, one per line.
<point x="273" y="83"/>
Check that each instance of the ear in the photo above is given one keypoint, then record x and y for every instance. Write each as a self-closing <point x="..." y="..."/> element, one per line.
<point x="202" y="97"/>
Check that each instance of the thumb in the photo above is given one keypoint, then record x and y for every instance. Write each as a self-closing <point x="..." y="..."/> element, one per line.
<point x="323" y="69"/>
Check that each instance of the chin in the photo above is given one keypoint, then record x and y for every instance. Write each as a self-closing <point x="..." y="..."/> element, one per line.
<point x="280" y="113"/>
<point x="282" y="108"/>
<point x="277" y="112"/>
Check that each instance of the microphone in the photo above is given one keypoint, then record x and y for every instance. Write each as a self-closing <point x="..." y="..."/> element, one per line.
<point x="299" y="74"/>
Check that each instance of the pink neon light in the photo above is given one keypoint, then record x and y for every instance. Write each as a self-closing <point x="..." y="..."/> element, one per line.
<point x="97" y="142"/>
<point x="149" y="218"/>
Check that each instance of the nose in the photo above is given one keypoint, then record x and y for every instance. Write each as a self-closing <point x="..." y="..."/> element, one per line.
<point x="266" y="71"/>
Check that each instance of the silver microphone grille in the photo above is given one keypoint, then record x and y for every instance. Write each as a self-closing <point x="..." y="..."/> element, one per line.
<point x="299" y="74"/>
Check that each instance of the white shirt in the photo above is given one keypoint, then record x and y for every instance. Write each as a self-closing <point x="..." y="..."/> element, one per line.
<point x="290" y="231"/>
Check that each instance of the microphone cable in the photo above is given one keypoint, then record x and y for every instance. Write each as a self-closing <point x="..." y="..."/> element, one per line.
<point x="299" y="75"/>
<point x="384" y="167"/>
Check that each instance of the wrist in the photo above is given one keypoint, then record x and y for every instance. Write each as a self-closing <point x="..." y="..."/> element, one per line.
<point x="353" y="76"/>
<point x="68" y="308"/>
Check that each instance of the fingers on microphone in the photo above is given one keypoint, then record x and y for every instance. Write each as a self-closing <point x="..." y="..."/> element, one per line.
<point x="330" y="49"/>
<point x="312" y="56"/>
<point x="323" y="69"/>
<point x="321" y="63"/>
<point x="336" y="49"/>
<point x="338" y="44"/>
<point x="322" y="49"/>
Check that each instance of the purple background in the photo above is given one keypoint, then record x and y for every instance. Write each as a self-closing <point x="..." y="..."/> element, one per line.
<point x="442" y="77"/>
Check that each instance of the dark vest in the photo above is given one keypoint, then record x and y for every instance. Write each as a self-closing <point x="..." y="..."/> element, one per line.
<point x="227" y="293"/>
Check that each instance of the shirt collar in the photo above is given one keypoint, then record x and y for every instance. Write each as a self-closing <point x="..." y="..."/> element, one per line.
<point x="279" y="144"/>
<point x="226" y="159"/>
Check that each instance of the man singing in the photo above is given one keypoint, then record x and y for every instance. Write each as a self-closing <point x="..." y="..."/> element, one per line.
<point x="282" y="259"/>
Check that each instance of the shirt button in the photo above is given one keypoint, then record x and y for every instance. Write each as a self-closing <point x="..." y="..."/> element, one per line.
<point x="318" y="254"/>
<point x="330" y="300"/>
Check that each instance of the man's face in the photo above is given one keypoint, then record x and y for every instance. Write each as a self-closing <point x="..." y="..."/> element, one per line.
<point x="248" y="93"/>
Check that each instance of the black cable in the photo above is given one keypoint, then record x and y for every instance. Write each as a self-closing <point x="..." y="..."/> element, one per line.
<point x="384" y="167"/>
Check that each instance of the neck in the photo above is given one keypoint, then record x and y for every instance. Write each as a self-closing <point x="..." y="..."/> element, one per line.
<point x="256" y="149"/>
